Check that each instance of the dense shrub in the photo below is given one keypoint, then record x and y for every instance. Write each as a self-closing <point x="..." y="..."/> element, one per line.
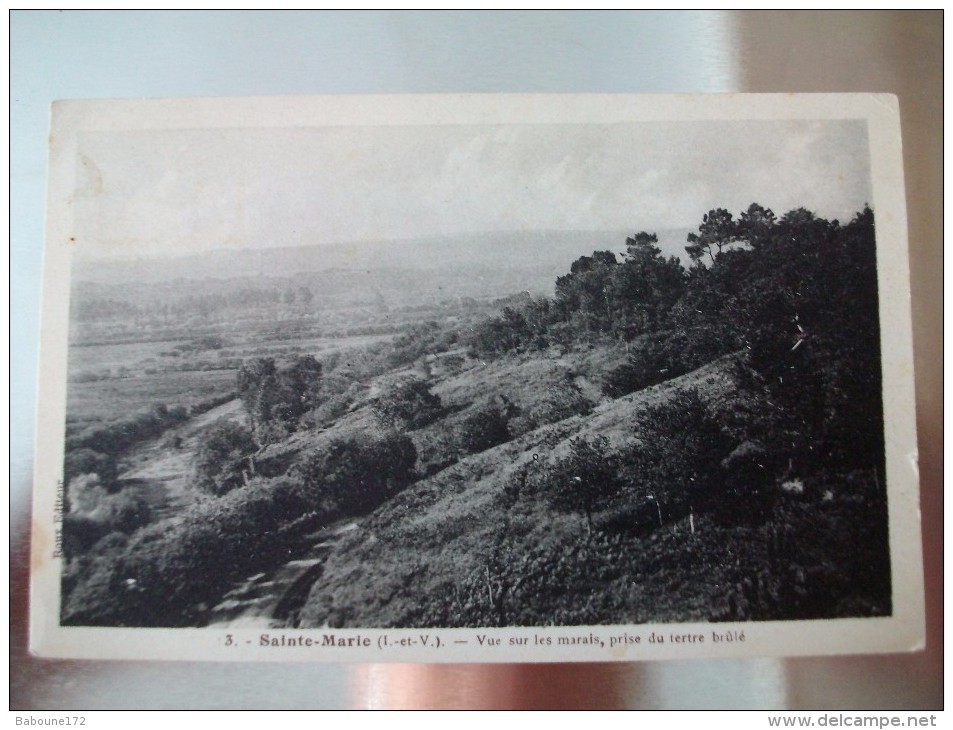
<point x="222" y="460"/>
<point x="355" y="474"/>
<point x="207" y="342"/>
<point x="167" y="571"/>
<point x="677" y="462"/>
<point x="332" y="408"/>
<point x="82" y="554"/>
<point x="648" y="365"/>
<point x="561" y="400"/>
<point x="117" y="436"/>
<point x="813" y="560"/>
<point x="95" y="512"/>
<point x="86" y="461"/>
<point x="407" y="404"/>
<point x="80" y="533"/>
<point x="480" y="427"/>
<point x="275" y="399"/>
<point x="582" y="480"/>
<point x="204" y="406"/>
<point x="484" y="428"/>
<point x="416" y="342"/>
<point x="508" y="332"/>
<point x="437" y="448"/>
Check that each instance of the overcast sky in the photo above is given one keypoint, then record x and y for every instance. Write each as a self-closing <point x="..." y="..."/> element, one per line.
<point x="192" y="190"/>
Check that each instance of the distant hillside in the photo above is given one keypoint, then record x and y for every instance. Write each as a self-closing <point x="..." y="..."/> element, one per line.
<point x="491" y="264"/>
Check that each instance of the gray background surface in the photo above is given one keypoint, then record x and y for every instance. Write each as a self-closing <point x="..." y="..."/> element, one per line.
<point x="116" y="54"/>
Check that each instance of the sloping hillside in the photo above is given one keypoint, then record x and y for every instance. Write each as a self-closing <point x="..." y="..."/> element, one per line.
<point x="474" y="546"/>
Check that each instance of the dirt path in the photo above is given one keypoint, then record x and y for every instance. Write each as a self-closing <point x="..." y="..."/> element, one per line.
<point x="274" y="599"/>
<point x="158" y="470"/>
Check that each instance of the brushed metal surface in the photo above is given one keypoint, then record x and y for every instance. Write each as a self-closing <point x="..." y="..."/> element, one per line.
<point x="109" y="54"/>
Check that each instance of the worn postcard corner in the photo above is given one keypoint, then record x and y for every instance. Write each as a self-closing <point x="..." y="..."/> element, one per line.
<point x="476" y="379"/>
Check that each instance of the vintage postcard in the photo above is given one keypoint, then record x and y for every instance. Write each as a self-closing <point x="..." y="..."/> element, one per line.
<point x="495" y="378"/>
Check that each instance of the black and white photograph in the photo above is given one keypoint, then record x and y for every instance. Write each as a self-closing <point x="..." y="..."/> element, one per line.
<point x="489" y="378"/>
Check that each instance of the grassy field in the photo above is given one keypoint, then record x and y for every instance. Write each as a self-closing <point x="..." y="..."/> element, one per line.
<point x="85" y="359"/>
<point x="149" y="377"/>
<point x="308" y="345"/>
<point x="104" y="400"/>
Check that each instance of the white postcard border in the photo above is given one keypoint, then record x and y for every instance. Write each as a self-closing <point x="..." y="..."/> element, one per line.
<point x="903" y="631"/>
